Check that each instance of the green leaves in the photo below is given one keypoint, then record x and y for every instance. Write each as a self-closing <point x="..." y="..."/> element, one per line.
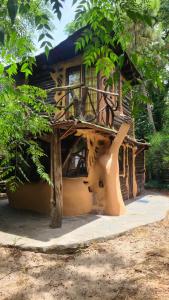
<point x="12" y="6"/>
<point x="57" y="6"/>
<point x="24" y="114"/>
<point x="41" y="37"/>
<point x="23" y="110"/>
<point x="74" y="2"/>
<point x="37" y="153"/>
<point x="12" y="70"/>
<point x="1" y="69"/>
<point x="140" y="17"/>
<point x="145" y="99"/>
<point x="26" y="69"/>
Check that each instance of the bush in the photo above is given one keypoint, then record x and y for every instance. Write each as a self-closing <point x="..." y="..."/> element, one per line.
<point x="157" y="158"/>
<point x="154" y="184"/>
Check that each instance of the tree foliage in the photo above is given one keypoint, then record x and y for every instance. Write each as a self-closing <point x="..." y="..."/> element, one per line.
<point x="24" y="115"/>
<point x="138" y="26"/>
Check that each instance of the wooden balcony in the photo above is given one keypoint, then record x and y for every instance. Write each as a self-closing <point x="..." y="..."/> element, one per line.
<point x="93" y="106"/>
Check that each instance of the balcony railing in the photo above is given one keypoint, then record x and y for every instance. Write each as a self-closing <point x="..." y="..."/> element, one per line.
<point x="94" y="105"/>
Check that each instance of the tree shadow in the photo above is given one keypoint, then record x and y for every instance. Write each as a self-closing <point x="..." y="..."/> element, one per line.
<point x="24" y="223"/>
<point x="100" y="275"/>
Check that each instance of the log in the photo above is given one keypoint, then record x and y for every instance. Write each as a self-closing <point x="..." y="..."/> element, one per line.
<point x="66" y="87"/>
<point x="76" y="86"/>
<point x="100" y="91"/>
<point x="56" y="178"/>
<point x="83" y="101"/>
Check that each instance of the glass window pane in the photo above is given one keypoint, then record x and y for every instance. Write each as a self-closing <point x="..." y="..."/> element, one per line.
<point x="74" y="78"/>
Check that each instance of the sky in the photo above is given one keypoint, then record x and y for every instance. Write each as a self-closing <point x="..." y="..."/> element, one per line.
<point x="68" y="13"/>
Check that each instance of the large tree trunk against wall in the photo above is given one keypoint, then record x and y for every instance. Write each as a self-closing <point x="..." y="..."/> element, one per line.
<point x="103" y="170"/>
<point x="56" y="177"/>
<point x="114" y="204"/>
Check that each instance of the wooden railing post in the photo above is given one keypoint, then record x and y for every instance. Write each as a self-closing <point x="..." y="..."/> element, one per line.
<point x="56" y="178"/>
<point x="120" y="100"/>
<point x="83" y="101"/>
<point x="79" y="105"/>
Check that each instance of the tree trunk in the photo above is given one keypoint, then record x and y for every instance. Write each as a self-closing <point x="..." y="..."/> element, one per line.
<point x="149" y="111"/>
<point x="110" y="161"/>
<point x="150" y="117"/>
<point x="56" y="178"/>
<point x="103" y="170"/>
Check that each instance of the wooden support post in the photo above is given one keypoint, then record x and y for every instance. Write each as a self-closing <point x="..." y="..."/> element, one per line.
<point x="56" y="178"/>
<point x="120" y="100"/>
<point x="83" y="101"/>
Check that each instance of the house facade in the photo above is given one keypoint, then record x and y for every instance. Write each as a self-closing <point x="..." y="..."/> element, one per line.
<point x="94" y="160"/>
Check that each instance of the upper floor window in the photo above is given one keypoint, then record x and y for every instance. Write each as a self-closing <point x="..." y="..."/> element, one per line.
<point x="91" y="81"/>
<point x="74" y="77"/>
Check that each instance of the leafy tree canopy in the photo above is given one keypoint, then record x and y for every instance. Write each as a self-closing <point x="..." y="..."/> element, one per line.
<point x="139" y="26"/>
<point x="24" y="115"/>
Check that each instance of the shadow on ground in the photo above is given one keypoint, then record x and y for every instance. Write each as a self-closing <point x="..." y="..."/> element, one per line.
<point x="97" y="273"/>
<point x="30" y="230"/>
<point x="33" y="225"/>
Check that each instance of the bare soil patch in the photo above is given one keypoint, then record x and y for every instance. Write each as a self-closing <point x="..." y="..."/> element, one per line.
<point x="132" y="266"/>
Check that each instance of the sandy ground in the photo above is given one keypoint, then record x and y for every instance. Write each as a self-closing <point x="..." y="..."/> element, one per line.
<point x="132" y="266"/>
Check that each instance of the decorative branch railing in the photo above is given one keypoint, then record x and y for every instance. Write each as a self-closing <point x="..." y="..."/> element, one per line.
<point x="94" y="105"/>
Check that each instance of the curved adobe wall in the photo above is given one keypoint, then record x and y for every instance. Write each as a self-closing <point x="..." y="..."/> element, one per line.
<point x="103" y="169"/>
<point x="36" y="197"/>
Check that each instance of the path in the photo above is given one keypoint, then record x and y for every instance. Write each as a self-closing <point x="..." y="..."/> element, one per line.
<point x="31" y="231"/>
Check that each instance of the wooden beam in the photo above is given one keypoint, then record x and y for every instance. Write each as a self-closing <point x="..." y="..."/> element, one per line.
<point x="100" y="91"/>
<point x="66" y="87"/>
<point x="56" y="178"/>
<point x="81" y="85"/>
<point x="83" y="101"/>
<point x="68" y="132"/>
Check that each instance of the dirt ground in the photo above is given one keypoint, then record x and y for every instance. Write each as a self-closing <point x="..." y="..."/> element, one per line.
<point x="132" y="266"/>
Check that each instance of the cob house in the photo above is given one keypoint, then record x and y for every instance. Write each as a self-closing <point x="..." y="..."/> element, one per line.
<point x="93" y="158"/>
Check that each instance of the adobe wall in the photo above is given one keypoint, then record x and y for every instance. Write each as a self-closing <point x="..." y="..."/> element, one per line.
<point x="77" y="200"/>
<point x="36" y="197"/>
<point x="31" y="196"/>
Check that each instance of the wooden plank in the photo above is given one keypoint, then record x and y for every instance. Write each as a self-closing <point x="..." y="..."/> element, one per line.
<point x="56" y="177"/>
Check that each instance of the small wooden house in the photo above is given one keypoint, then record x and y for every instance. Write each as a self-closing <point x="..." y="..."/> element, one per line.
<point x="93" y="157"/>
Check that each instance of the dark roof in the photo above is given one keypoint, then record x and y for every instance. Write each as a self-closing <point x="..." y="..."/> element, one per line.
<point x="63" y="51"/>
<point x="66" y="50"/>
